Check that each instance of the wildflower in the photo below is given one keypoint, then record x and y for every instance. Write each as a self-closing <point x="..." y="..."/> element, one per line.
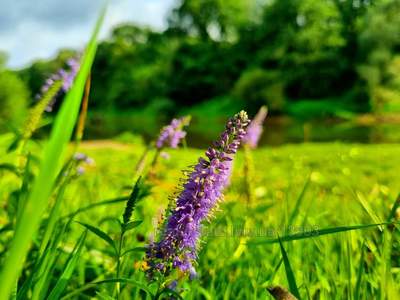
<point x="172" y="134"/>
<point x="200" y="194"/>
<point x="165" y="155"/>
<point x="66" y="78"/>
<point x="81" y="157"/>
<point x="80" y="171"/>
<point x="255" y="128"/>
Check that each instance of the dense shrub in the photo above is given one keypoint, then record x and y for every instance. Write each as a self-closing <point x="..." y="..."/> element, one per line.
<point x="13" y="99"/>
<point x="258" y="87"/>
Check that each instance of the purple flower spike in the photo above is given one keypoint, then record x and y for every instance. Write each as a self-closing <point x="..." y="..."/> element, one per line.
<point x="66" y="77"/>
<point x="200" y="194"/>
<point x="172" y="134"/>
<point x="255" y="128"/>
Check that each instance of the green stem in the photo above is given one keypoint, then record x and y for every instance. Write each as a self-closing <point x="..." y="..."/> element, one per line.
<point x="118" y="284"/>
<point x="154" y="163"/>
<point x="142" y="162"/>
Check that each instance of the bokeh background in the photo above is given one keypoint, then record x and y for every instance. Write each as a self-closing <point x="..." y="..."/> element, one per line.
<point x="327" y="69"/>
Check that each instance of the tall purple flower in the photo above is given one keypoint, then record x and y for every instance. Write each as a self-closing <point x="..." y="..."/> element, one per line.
<point x="65" y="76"/>
<point x="255" y="128"/>
<point x="200" y="194"/>
<point x="172" y="134"/>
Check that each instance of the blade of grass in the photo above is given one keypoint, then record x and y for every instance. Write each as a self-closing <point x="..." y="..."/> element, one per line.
<point x="395" y="206"/>
<point x="52" y="218"/>
<point x="289" y="272"/>
<point x="68" y="270"/>
<point x="101" y="234"/>
<point x="93" y="205"/>
<point x="369" y="210"/>
<point x="360" y="273"/>
<point x="300" y="198"/>
<point x="317" y="233"/>
<point x="49" y="168"/>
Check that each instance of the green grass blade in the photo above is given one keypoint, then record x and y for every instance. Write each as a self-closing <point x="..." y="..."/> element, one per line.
<point x="299" y="201"/>
<point x="395" y="206"/>
<point x="49" y="168"/>
<point x="317" y="233"/>
<point x="69" y="269"/>
<point x="51" y="222"/>
<point x="369" y="210"/>
<point x="101" y="234"/>
<point x="289" y="273"/>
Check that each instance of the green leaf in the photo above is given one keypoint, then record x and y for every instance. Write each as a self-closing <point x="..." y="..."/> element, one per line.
<point x="289" y="272"/>
<point x="15" y="143"/>
<point x="69" y="269"/>
<point x="93" y="205"/>
<point x="131" y="225"/>
<point x="10" y="168"/>
<point x="100" y="233"/>
<point x="317" y="233"/>
<point x="136" y="249"/>
<point x="53" y="155"/>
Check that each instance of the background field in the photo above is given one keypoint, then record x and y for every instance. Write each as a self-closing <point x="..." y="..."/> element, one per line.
<point x="328" y="266"/>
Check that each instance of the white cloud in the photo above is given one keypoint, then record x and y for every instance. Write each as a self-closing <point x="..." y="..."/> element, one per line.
<point x="29" y="31"/>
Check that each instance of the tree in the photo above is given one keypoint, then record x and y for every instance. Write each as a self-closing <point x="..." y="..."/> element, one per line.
<point x="13" y="99"/>
<point x="379" y="44"/>
<point x="212" y="19"/>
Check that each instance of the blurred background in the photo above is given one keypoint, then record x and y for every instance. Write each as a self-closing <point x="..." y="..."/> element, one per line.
<point x="327" y="69"/>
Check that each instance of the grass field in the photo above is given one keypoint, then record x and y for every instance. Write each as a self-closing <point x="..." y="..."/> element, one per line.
<point x="347" y="185"/>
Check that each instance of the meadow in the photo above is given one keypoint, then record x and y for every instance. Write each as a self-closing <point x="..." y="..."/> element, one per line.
<point x="127" y="219"/>
<point x="298" y="189"/>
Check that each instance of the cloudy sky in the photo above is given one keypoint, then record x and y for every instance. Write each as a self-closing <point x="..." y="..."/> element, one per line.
<point x="32" y="29"/>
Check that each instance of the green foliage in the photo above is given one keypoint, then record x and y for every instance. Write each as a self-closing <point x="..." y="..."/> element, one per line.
<point x="379" y="42"/>
<point x="258" y="87"/>
<point x="14" y="97"/>
<point x="320" y="219"/>
<point x="201" y="70"/>
<point x="43" y="184"/>
<point x="212" y="19"/>
<point x="260" y="51"/>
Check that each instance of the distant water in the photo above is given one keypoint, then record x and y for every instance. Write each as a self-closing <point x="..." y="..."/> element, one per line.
<point x="277" y="131"/>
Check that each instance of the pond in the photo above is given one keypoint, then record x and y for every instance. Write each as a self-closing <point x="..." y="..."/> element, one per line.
<point x="277" y="130"/>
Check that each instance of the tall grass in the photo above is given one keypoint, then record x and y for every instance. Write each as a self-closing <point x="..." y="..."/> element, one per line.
<point x="54" y="151"/>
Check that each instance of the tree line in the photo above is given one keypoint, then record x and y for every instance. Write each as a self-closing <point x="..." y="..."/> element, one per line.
<point x="291" y="55"/>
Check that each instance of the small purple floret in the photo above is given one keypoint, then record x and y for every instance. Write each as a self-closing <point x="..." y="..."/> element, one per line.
<point x="200" y="194"/>
<point x="172" y="134"/>
<point x="255" y="128"/>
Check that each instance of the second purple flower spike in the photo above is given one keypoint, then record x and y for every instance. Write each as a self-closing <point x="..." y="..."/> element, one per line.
<point x="172" y="134"/>
<point x="255" y="128"/>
